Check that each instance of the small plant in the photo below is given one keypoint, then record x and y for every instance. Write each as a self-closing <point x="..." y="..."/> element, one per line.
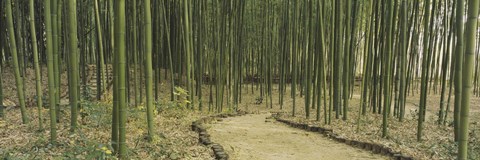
<point x="45" y="101"/>
<point x="181" y="96"/>
<point x="95" y="113"/>
<point x="259" y="100"/>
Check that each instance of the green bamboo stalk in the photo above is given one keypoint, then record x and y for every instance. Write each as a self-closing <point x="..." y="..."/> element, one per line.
<point x="403" y="60"/>
<point x="294" y="59"/>
<point x="346" y="61"/>
<point x="424" y="81"/>
<point x="136" y="70"/>
<point x="148" y="67"/>
<point x="309" y="61"/>
<point x="445" y="63"/>
<point x="121" y="72"/>
<point x="172" y="78"/>
<point x="387" y="61"/>
<point x="468" y="66"/>
<point x="38" y="83"/>
<point x="16" y="66"/>
<point x="458" y="67"/>
<point x="188" y="49"/>
<point x="115" y="110"/>
<point x="51" y="73"/>
<point x="100" y="49"/>
<point x="320" y="65"/>
<point x="53" y="12"/>
<point x="2" y="108"/>
<point x="73" y="61"/>
<point x="337" y="69"/>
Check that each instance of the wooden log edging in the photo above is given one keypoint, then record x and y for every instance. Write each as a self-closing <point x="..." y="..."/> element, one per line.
<point x="204" y="137"/>
<point x="368" y="146"/>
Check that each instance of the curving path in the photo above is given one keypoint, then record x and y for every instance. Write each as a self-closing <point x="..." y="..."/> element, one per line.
<point x="250" y="137"/>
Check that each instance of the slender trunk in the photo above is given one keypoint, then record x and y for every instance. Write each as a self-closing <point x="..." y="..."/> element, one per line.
<point x="468" y="65"/>
<point x="121" y="74"/>
<point x="16" y="66"/>
<point x="50" y="66"/>
<point x="458" y="67"/>
<point x="36" y="64"/>
<point x="101" y="53"/>
<point x="148" y="67"/>
<point x="73" y="74"/>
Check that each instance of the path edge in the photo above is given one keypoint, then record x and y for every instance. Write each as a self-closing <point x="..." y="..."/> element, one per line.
<point x="367" y="146"/>
<point x="204" y="137"/>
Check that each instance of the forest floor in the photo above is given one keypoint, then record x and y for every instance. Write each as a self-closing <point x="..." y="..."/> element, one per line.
<point x="176" y="141"/>
<point x="254" y="137"/>
<point x="437" y="140"/>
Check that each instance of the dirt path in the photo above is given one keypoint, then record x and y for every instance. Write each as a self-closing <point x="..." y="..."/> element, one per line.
<point x="250" y="137"/>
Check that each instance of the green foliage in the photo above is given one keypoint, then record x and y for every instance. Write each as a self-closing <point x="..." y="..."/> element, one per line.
<point x="94" y="113"/>
<point x="45" y="103"/>
<point x="88" y="93"/>
<point x="182" y="97"/>
<point x="93" y="150"/>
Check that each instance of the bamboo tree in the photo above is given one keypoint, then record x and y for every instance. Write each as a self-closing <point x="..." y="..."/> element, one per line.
<point x="387" y="61"/>
<point x="13" y="51"/>
<point x="468" y="65"/>
<point x="73" y="74"/>
<point x="2" y="108"/>
<point x="136" y="70"/>
<point x="294" y="58"/>
<point x="121" y="72"/>
<point x="337" y="70"/>
<point x="309" y="60"/>
<point x="321" y="65"/>
<point x="170" y="63"/>
<point x="56" y="68"/>
<point x="38" y="83"/>
<point x="148" y="67"/>
<point x="51" y="73"/>
<point x="446" y="61"/>
<point x="115" y="108"/>
<point x="403" y="60"/>
<point x="458" y="67"/>
<point x="346" y="61"/>
<point x="188" y="53"/>
<point x="101" y="53"/>
<point x="19" y="37"/>
<point x="425" y="62"/>
<point x="452" y="65"/>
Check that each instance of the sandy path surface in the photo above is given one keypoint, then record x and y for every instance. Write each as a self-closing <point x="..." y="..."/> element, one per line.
<point x="251" y="138"/>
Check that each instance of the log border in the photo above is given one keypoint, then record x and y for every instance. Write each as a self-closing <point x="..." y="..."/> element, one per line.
<point x="204" y="137"/>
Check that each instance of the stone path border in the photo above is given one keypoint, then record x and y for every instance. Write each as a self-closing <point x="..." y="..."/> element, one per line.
<point x="204" y="137"/>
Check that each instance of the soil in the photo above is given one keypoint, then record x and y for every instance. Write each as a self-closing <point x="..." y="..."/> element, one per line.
<point x="254" y="137"/>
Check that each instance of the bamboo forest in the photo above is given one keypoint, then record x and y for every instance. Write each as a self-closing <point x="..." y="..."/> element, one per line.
<point x="240" y="79"/>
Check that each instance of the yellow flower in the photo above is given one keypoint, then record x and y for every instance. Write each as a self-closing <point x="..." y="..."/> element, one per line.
<point x="108" y="152"/>
<point x="104" y="148"/>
